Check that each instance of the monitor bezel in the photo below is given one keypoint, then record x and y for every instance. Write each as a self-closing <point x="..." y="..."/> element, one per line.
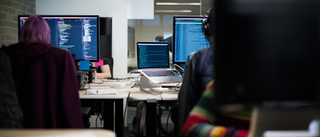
<point x="98" y="30"/>
<point x="173" y="35"/>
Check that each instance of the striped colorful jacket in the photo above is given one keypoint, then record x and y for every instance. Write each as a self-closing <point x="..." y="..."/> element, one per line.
<point x="200" y="122"/>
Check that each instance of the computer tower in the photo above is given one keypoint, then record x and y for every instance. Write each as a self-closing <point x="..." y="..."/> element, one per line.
<point x="105" y="37"/>
<point x="92" y="75"/>
<point x="81" y="79"/>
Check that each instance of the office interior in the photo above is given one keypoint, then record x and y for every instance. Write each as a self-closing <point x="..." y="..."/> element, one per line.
<point x="127" y="29"/>
<point x="157" y="21"/>
<point x="154" y="23"/>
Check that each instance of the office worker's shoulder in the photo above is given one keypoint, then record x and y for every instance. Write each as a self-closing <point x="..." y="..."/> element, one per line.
<point x="199" y="53"/>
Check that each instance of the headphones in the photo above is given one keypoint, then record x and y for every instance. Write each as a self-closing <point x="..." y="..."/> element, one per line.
<point x="207" y="26"/>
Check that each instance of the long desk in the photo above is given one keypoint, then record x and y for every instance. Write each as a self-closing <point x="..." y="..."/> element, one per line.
<point x="136" y="94"/>
<point x="56" y="133"/>
<point x="116" y="113"/>
<point x="111" y="113"/>
<point x="151" y="111"/>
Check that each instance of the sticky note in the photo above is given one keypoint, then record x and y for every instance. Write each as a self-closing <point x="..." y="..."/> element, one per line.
<point x="100" y="63"/>
<point x="84" y="65"/>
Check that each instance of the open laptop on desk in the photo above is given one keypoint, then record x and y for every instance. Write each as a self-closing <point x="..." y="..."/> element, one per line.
<point x="153" y="62"/>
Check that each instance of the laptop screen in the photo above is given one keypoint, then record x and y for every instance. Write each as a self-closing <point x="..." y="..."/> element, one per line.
<point x="153" y="55"/>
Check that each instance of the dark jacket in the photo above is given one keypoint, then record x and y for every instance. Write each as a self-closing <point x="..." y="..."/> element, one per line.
<point x="46" y="85"/>
<point x="10" y="112"/>
<point x="197" y="76"/>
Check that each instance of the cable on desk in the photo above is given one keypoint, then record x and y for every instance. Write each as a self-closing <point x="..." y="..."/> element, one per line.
<point x="132" y="71"/>
<point x="177" y="87"/>
<point x="128" y="73"/>
<point x="178" y="67"/>
<point x="97" y="82"/>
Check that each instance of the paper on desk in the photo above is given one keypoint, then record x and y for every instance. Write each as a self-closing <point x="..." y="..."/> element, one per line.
<point x="101" y="91"/>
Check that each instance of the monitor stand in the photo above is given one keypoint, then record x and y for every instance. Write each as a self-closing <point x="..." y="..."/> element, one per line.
<point x="266" y="119"/>
<point x="148" y="86"/>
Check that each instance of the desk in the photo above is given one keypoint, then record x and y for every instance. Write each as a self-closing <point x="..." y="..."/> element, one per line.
<point x="167" y="94"/>
<point x="136" y="94"/>
<point x="151" y="112"/>
<point x="56" y="133"/>
<point x="111" y="113"/>
<point x="122" y="93"/>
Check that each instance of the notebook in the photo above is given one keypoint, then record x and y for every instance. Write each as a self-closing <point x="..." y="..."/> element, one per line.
<point x="153" y="62"/>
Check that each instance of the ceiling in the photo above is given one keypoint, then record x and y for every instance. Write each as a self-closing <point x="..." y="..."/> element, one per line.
<point x="195" y="9"/>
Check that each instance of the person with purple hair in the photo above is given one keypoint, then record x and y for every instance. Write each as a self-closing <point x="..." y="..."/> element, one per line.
<point x="44" y="78"/>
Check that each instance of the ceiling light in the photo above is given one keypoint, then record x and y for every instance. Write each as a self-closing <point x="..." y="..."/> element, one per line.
<point x="173" y="11"/>
<point x="170" y="3"/>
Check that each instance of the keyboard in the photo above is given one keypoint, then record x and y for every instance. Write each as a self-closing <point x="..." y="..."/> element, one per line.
<point x="157" y="73"/>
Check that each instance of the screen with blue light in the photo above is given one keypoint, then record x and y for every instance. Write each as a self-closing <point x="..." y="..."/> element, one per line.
<point x="187" y="37"/>
<point x="77" y="34"/>
<point x="153" y="55"/>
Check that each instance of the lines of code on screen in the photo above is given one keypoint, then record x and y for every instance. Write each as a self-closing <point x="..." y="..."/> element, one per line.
<point x="188" y="37"/>
<point x="153" y="56"/>
<point x="79" y="35"/>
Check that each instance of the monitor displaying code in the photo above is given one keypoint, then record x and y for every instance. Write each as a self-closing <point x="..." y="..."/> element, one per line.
<point x="77" y="34"/>
<point x="187" y="37"/>
<point x="153" y="55"/>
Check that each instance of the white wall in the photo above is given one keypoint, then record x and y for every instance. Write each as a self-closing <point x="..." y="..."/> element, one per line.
<point x="117" y="9"/>
<point x="140" y="9"/>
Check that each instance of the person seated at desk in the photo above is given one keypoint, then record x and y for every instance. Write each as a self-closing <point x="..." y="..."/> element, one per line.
<point x="159" y="39"/>
<point x="205" y="121"/>
<point x="104" y="72"/>
<point x="200" y="70"/>
<point x="45" y="79"/>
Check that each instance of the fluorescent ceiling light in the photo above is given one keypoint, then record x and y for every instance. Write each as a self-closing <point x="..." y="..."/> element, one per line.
<point x="173" y="11"/>
<point x="171" y="3"/>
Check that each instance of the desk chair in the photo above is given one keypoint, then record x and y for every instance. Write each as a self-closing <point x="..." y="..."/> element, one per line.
<point x="106" y="61"/>
<point x="110" y="62"/>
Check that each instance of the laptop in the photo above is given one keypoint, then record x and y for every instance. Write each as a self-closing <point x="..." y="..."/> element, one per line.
<point x="153" y="62"/>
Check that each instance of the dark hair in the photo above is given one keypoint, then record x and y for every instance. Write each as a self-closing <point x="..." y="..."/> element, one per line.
<point x="208" y="25"/>
<point x="159" y="38"/>
<point x="35" y="29"/>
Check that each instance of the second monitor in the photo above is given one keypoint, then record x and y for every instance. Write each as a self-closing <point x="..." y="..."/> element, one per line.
<point x="187" y="37"/>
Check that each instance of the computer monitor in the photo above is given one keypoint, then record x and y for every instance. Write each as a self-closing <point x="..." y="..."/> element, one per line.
<point x="267" y="55"/>
<point x="187" y="37"/>
<point x="77" y="34"/>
